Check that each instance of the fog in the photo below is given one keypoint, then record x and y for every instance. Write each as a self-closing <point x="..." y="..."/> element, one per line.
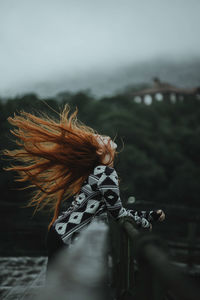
<point x="45" y="41"/>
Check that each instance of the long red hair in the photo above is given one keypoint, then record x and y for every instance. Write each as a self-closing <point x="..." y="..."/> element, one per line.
<point x="54" y="156"/>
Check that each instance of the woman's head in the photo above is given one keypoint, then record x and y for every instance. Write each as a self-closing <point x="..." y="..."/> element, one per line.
<point x="107" y="149"/>
<point x="56" y="156"/>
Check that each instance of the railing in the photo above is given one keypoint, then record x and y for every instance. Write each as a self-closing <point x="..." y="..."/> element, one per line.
<point x="143" y="271"/>
<point x="79" y="272"/>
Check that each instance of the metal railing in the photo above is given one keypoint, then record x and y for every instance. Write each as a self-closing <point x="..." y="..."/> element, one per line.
<point x="142" y="269"/>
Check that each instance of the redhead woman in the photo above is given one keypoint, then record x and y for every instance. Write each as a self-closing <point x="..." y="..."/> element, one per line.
<point x="64" y="159"/>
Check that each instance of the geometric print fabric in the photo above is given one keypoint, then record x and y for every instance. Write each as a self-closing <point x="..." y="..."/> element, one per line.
<point x="99" y="194"/>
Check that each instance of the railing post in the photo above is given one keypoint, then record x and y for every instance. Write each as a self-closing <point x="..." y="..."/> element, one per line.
<point x="123" y="263"/>
<point x="146" y="284"/>
<point x="126" y="282"/>
<point x="127" y="265"/>
<point x="192" y="226"/>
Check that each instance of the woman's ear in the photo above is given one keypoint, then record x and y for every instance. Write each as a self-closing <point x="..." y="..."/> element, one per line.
<point x="99" y="151"/>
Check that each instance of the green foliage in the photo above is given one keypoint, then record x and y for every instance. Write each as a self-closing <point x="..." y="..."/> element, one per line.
<point x="160" y="158"/>
<point x="159" y="140"/>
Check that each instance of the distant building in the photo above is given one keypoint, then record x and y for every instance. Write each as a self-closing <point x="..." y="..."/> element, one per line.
<point x="164" y="91"/>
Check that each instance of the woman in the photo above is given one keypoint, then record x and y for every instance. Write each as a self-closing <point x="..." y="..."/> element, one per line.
<point x="65" y="158"/>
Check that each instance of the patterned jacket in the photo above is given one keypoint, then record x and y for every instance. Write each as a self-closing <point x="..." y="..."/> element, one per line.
<point x="99" y="194"/>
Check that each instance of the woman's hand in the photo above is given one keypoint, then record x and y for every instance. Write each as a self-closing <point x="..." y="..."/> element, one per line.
<point x="161" y="215"/>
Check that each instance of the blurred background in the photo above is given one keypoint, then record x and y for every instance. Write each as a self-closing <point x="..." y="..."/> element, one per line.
<point x="133" y="70"/>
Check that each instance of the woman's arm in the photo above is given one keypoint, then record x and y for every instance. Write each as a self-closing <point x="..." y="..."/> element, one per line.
<point x="109" y="187"/>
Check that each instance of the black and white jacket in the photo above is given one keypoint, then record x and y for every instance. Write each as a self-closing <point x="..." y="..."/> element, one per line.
<point x="99" y="194"/>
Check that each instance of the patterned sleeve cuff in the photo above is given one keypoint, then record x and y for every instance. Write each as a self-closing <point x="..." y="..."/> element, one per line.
<point x="140" y="221"/>
<point x="151" y="216"/>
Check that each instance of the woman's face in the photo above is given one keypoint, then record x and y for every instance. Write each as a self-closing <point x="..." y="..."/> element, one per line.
<point x="103" y="141"/>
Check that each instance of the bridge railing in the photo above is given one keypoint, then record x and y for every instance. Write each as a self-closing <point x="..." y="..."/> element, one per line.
<point x="142" y="269"/>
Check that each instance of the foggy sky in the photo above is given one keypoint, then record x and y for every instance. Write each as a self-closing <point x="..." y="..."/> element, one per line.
<point x="45" y="39"/>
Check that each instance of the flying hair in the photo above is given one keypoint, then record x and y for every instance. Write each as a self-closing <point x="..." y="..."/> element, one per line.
<point x="55" y="156"/>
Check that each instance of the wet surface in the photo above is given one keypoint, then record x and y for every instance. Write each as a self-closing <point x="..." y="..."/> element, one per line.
<point x="21" y="277"/>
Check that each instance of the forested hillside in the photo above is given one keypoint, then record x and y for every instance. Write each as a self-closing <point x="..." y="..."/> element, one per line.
<point x="158" y="161"/>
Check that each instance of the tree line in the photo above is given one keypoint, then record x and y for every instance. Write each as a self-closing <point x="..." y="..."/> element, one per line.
<point x="158" y="145"/>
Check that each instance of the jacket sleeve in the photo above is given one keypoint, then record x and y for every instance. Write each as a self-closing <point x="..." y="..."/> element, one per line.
<point x="151" y="215"/>
<point x="109" y="187"/>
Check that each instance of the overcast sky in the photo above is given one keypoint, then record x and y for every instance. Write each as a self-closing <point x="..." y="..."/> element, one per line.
<point x="45" y="39"/>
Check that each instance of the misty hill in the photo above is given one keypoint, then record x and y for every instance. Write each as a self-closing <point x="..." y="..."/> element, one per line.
<point x="184" y="73"/>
